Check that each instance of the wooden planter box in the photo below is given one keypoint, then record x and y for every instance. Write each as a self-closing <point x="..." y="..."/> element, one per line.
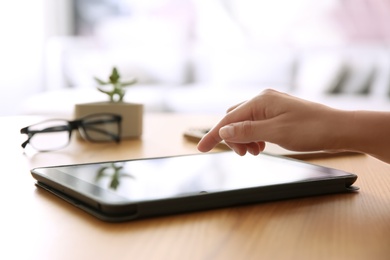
<point x="132" y="115"/>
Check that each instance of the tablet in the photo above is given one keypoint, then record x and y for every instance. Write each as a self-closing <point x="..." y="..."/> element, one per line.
<point x="126" y="190"/>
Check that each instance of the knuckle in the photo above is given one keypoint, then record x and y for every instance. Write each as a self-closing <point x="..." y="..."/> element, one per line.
<point x="246" y="128"/>
<point x="268" y="91"/>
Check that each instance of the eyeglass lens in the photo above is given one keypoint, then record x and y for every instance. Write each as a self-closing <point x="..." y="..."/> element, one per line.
<point x="50" y="135"/>
<point x="100" y="128"/>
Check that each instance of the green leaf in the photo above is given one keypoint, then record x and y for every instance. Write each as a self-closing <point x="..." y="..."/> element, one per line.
<point x="114" y="78"/>
<point x="117" y="87"/>
<point x="128" y="83"/>
<point x="101" y="173"/>
<point x="114" y="184"/>
<point x="104" y="91"/>
<point x="101" y="82"/>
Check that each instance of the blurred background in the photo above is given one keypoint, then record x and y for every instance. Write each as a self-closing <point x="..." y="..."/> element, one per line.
<point x="193" y="55"/>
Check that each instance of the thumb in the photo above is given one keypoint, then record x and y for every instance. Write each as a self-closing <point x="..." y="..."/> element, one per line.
<point x="241" y="132"/>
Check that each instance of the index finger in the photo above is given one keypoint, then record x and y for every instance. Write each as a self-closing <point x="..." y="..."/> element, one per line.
<point x="238" y="113"/>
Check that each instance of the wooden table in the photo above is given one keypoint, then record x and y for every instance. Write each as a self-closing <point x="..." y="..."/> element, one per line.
<point x="37" y="225"/>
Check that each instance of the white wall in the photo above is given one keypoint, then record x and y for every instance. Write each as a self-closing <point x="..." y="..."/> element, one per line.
<point x="24" y="27"/>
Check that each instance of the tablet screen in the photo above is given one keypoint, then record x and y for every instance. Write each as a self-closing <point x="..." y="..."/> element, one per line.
<point x="159" y="178"/>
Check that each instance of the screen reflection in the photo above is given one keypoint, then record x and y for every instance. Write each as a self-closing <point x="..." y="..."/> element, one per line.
<point x="159" y="178"/>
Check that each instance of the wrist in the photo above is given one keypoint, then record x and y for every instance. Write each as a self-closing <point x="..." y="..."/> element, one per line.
<point x="342" y="131"/>
<point x="370" y="133"/>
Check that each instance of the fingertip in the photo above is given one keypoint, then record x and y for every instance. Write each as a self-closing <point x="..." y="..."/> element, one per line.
<point x="261" y="146"/>
<point x="239" y="149"/>
<point x="206" y="144"/>
<point x="209" y="141"/>
<point x="201" y="147"/>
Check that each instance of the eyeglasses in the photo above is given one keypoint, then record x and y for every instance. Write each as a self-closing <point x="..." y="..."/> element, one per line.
<point x="55" y="134"/>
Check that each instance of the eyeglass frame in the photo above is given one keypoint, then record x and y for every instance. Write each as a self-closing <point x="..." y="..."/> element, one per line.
<point x="76" y="124"/>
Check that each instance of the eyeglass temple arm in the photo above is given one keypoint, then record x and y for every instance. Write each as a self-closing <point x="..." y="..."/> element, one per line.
<point x="77" y="123"/>
<point x="24" y="144"/>
<point x="115" y="137"/>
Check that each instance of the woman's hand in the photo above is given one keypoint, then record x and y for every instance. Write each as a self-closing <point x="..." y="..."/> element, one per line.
<point x="275" y="117"/>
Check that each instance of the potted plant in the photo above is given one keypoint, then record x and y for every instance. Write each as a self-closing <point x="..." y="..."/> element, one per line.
<point x="132" y="113"/>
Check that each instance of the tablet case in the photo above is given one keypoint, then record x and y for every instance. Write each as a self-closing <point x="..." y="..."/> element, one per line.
<point x="205" y="201"/>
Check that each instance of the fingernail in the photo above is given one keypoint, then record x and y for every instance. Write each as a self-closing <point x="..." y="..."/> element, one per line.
<point x="226" y="132"/>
